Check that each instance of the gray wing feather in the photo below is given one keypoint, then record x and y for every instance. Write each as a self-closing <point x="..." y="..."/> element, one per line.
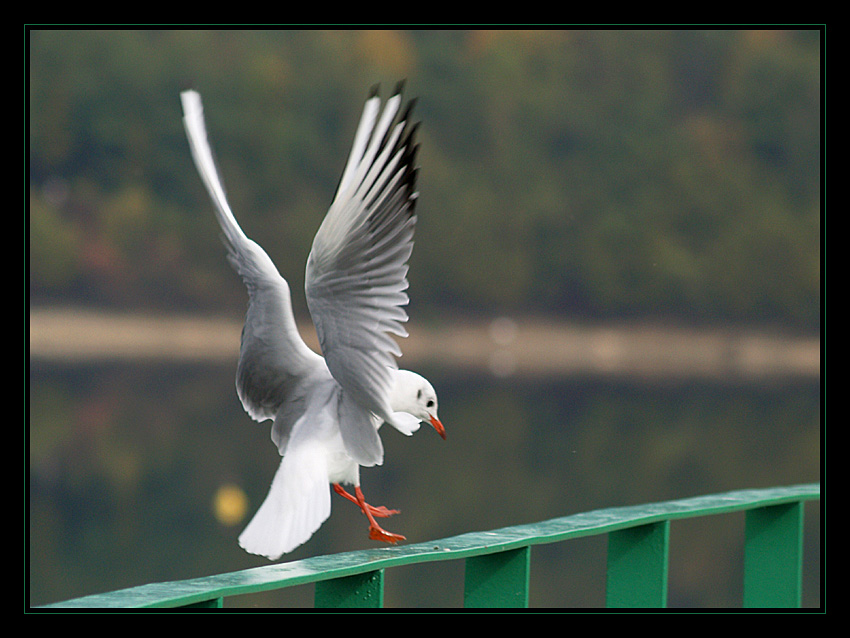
<point x="273" y="357"/>
<point x="357" y="269"/>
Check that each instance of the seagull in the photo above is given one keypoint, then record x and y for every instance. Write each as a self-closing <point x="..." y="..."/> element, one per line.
<point x="326" y="408"/>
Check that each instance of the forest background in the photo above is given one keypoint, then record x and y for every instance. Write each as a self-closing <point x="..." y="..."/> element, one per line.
<point x="583" y="174"/>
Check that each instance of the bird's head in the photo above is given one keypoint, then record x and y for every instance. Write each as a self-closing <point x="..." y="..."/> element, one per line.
<point x="415" y="395"/>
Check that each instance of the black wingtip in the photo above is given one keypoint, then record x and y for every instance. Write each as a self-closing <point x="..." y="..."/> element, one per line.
<point x="408" y="109"/>
<point x="399" y="88"/>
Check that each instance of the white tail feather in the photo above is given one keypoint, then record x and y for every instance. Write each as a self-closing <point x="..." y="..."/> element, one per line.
<point x="297" y="504"/>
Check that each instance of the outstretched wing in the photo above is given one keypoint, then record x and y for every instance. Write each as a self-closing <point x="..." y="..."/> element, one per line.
<point x="273" y="357"/>
<point x="357" y="269"/>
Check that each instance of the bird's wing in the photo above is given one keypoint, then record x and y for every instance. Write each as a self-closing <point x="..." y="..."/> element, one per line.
<point x="273" y="357"/>
<point x="357" y="269"/>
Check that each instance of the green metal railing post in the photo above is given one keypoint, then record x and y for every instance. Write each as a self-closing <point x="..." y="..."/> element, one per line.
<point x="773" y="556"/>
<point x="637" y="566"/>
<point x="364" y="590"/>
<point x="497" y="580"/>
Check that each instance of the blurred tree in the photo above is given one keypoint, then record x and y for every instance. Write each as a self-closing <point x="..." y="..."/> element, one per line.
<point x="594" y="173"/>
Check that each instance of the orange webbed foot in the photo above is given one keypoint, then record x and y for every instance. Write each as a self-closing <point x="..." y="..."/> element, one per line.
<point x="376" y="532"/>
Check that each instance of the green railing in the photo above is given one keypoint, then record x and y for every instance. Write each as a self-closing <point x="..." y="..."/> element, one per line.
<point x="497" y="563"/>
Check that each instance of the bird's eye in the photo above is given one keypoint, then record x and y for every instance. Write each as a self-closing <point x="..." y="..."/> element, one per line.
<point x="430" y="404"/>
<point x="419" y="394"/>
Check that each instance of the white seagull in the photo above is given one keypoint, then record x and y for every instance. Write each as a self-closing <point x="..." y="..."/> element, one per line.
<point x="327" y="409"/>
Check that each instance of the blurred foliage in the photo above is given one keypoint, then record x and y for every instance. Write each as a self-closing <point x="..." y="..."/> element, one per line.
<point x="595" y="174"/>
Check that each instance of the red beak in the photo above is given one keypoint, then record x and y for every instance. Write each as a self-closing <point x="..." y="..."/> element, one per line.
<point x="439" y="427"/>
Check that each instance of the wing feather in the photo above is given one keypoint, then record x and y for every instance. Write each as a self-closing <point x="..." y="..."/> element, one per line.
<point x="357" y="269"/>
<point x="273" y="357"/>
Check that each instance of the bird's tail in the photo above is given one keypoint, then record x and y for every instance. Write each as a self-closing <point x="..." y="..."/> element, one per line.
<point x="297" y="504"/>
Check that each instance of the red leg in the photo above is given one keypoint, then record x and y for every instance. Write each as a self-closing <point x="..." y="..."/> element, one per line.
<point x="376" y="533"/>
<point x="380" y="511"/>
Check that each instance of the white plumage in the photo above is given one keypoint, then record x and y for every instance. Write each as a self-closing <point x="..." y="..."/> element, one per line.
<point x="326" y="410"/>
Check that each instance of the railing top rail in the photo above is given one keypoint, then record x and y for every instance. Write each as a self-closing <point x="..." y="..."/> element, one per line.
<point x="319" y="568"/>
